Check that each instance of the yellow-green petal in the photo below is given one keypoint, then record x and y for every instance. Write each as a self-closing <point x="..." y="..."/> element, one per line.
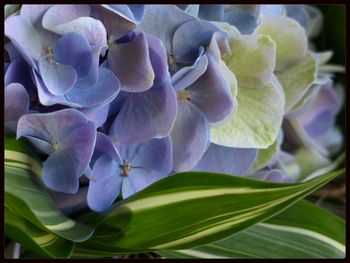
<point x="297" y="79"/>
<point x="256" y="122"/>
<point x="252" y="59"/>
<point x="289" y="36"/>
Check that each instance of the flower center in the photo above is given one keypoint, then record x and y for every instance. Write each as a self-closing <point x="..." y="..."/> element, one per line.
<point x="125" y="168"/>
<point x="48" y="54"/>
<point x="171" y="62"/>
<point x="55" y="145"/>
<point x="183" y="95"/>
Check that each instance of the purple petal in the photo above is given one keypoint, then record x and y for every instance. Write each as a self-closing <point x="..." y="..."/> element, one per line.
<point x="221" y="159"/>
<point x="45" y="96"/>
<point x="105" y="90"/>
<point x="19" y="72"/>
<point x="91" y="78"/>
<point x="131" y="63"/>
<point x="34" y="13"/>
<point x="104" y="145"/>
<point x="64" y="19"/>
<point x="189" y="37"/>
<point x="162" y="22"/>
<point x="145" y="115"/>
<point x="116" y="25"/>
<point x="105" y="186"/>
<point x="211" y="93"/>
<point x="72" y="138"/>
<point x="50" y="126"/>
<point x="189" y="135"/>
<point x="24" y="37"/>
<point x="74" y="50"/>
<point x="151" y="161"/>
<point x="132" y="13"/>
<point x="58" y="78"/>
<point x="59" y="173"/>
<point x="158" y="57"/>
<point x="12" y="51"/>
<point x="320" y="124"/>
<point x="318" y="117"/>
<point x="98" y="115"/>
<point x="187" y="75"/>
<point x="16" y="104"/>
<point x="274" y="175"/>
<point x="218" y="46"/>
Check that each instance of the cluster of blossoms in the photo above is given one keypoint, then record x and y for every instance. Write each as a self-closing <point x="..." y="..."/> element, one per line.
<point x="125" y="95"/>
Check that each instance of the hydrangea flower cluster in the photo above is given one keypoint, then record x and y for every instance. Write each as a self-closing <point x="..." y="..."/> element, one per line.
<point x="125" y="95"/>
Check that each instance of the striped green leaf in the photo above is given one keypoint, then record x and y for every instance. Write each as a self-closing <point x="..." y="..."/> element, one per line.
<point x="40" y="241"/>
<point x="302" y="231"/>
<point x="26" y="196"/>
<point x="191" y="209"/>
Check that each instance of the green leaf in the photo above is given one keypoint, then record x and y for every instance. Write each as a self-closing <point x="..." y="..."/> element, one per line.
<point x="252" y="60"/>
<point x="302" y="231"/>
<point x="256" y="122"/>
<point x="289" y="36"/>
<point x="191" y="209"/>
<point x="297" y="79"/>
<point x="40" y="241"/>
<point x="27" y="196"/>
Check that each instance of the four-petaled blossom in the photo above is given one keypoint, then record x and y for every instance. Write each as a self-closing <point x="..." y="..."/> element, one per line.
<point x="68" y="138"/>
<point x="65" y="68"/>
<point x="127" y="169"/>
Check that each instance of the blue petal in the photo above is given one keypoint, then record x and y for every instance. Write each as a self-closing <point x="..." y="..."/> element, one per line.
<point x="189" y="37"/>
<point x="212" y="12"/>
<point x="145" y="115"/>
<point x="24" y="37"/>
<point x="16" y="105"/>
<point x="131" y="64"/>
<point x="244" y="22"/>
<point x="98" y="115"/>
<point x="58" y="78"/>
<point x="103" y="91"/>
<point x="187" y="75"/>
<point x="162" y="22"/>
<point x="19" y="72"/>
<point x="221" y="159"/>
<point x="189" y="135"/>
<point x="105" y="186"/>
<point x="211" y="94"/>
<point x="104" y="145"/>
<point x="151" y="161"/>
<point x="74" y="50"/>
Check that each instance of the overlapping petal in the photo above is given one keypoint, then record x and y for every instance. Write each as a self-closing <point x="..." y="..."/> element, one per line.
<point x="257" y="120"/>
<point x="103" y="91"/>
<point x="189" y="37"/>
<point x="72" y="139"/>
<point x="105" y="185"/>
<point x="252" y="60"/>
<point x="150" y="160"/>
<point x="64" y="19"/>
<point x="221" y="159"/>
<point x="163" y="20"/>
<point x="131" y="63"/>
<point x="190" y="136"/>
<point x="145" y="115"/>
<point x="288" y="36"/>
<point x="211" y="94"/>
<point x="16" y="104"/>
